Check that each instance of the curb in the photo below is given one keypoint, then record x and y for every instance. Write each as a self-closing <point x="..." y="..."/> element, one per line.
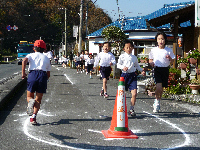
<point x="15" y="85"/>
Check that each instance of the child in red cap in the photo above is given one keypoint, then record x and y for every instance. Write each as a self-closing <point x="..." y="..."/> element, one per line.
<point x="39" y="72"/>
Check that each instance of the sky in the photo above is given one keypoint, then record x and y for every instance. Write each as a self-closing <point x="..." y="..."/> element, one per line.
<point x="132" y="8"/>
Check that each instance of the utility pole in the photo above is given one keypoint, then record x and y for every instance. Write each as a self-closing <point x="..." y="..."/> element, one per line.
<point x="86" y="31"/>
<point x="80" y="27"/>
<point x="65" y="31"/>
<point x="87" y="21"/>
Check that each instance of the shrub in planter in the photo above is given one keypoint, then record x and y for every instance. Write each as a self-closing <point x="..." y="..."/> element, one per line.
<point x="195" y="54"/>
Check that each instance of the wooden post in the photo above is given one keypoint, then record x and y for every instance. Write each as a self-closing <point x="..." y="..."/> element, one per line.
<point x="198" y="62"/>
<point x="175" y="42"/>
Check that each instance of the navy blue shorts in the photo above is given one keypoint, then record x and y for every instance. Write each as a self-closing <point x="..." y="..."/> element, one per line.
<point x="105" y="72"/>
<point x="77" y="63"/>
<point x="90" y="67"/>
<point x="130" y="81"/>
<point x="37" y="81"/>
<point x="161" y="75"/>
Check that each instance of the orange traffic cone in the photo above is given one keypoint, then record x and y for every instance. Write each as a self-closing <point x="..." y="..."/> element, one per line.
<point x="119" y="123"/>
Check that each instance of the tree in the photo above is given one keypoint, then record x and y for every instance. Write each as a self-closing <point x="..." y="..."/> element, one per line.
<point x="115" y="35"/>
<point x="44" y="18"/>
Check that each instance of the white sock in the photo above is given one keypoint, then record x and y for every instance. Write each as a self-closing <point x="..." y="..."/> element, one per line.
<point x="33" y="116"/>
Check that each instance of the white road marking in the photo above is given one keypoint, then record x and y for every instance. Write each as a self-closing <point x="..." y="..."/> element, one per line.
<point x="25" y="128"/>
<point x="94" y="131"/>
<point x="65" y="76"/>
<point x="44" y="114"/>
<point x="187" y="138"/>
<point x="68" y="79"/>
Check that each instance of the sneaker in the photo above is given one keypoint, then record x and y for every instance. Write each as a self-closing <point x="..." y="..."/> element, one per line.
<point x="86" y="73"/>
<point x="132" y="113"/>
<point x="102" y="93"/>
<point x="106" y="95"/>
<point x="77" y="71"/>
<point x="30" y="107"/>
<point x="156" y="106"/>
<point x="33" y="121"/>
<point x="90" y="77"/>
<point x="81" y="72"/>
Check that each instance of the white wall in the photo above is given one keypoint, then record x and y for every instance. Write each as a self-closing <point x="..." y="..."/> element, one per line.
<point x="94" y="48"/>
<point x="141" y="35"/>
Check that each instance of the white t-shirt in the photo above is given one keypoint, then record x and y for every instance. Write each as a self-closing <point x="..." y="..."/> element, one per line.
<point x="38" y="61"/>
<point x="130" y="61"/>
<point x="105" y="59"/>
<point x="90" y="61"/>
<point x="85" y="58"/>
<point x="159" y="56"/>
<point x="77" y="58"/>
<point x="49" y="54"/>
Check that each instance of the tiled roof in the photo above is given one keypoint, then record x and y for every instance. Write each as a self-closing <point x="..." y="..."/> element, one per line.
<point x="137" y="23"/>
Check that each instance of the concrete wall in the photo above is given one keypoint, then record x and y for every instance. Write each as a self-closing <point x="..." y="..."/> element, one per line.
<point x="94" y="44"/>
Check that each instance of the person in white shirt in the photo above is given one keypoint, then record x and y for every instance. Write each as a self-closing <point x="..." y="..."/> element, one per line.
<point x="39" y="73"/>
<point x="90" y="64"/>
<point x="77" y="60"/>
<point x="107" y="59"/>
<point x="85" y="57"/>
<point x="82" y="64"/>
<point x="48" y="52"/>
<point x="160" y="58"/>
<point x="128" y="63"/>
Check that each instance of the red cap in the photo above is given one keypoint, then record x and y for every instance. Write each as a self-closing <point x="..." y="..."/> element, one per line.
<point x="40" y="43"/>
<point x="90" y="53"/>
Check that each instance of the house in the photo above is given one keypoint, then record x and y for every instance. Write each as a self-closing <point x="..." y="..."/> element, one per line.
<point x="142" y="29"/>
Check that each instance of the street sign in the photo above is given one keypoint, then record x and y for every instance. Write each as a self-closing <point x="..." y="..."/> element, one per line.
<point x="15" y="27"/>
<point x="197" y="13"/>
<point x="75" y="31"/>
<point x="8" y="27"/>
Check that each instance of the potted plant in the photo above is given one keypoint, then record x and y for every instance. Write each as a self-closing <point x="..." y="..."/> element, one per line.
<point x="195" y="85"/>
<point x="198" y="71"/>
<point x="150" y="87"/>
<point x="182" y="62"/>
<point x="193" y="56"/>
<point x="144" y="60"/>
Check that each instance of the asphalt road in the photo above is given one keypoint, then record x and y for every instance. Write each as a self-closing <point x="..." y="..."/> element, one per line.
<point x="8" y="70"/>
<point x="73" y="115"/>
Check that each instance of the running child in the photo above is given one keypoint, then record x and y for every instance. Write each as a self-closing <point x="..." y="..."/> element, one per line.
<point x="82" y="65"/>
<point x="85" y="58"/>
<point x="90" y="64"/>
<point x="77" y="60"/>
<point x="39" y="73"/>
<point x="107" y="59"/>
<point x="160" y="58"/>
<point x="128" y="63"/>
